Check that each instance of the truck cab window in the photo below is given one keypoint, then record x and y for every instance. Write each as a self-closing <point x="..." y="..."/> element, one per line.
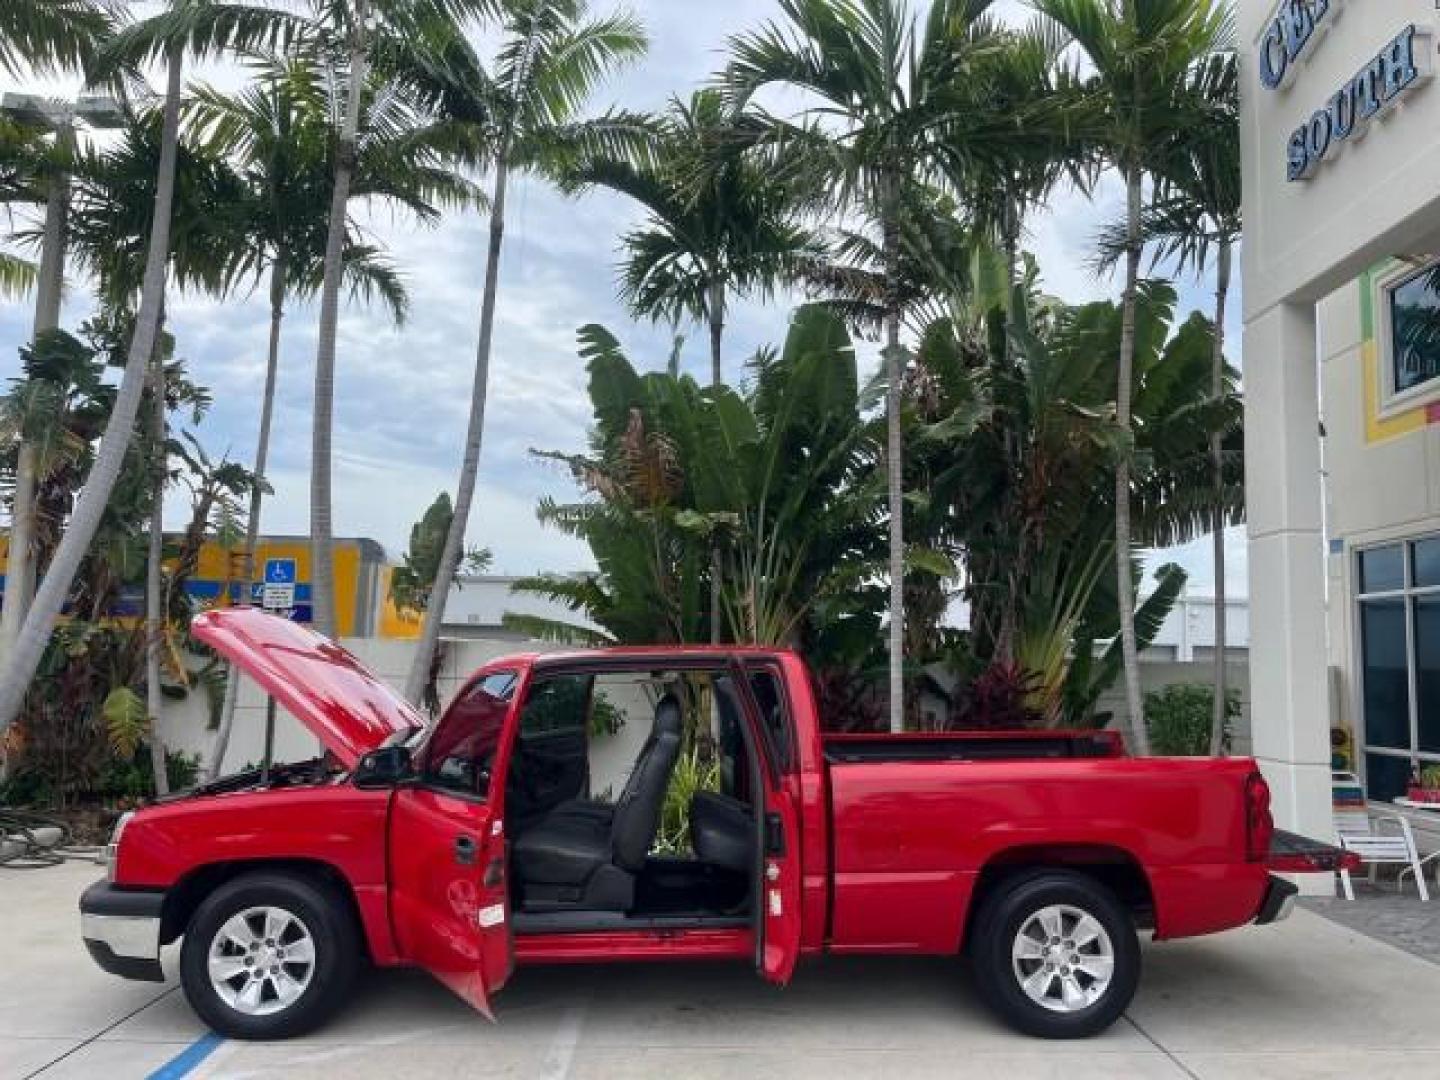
<point x="774" y="721"/>
<point x="462" y="751"/>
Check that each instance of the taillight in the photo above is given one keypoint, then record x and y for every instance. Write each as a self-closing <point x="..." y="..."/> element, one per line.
<point x="1259" y="825"/>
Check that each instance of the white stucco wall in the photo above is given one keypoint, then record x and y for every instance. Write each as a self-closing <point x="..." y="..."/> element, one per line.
<point x="1372" y="198"/>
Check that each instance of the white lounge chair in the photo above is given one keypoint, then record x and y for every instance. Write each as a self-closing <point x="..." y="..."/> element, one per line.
<point x="1375" y="839"/>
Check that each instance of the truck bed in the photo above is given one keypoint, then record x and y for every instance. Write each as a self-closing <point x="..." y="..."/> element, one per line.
<point x="971" y="746"/>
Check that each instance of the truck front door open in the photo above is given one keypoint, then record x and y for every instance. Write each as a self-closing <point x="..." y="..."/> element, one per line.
<point x="448" y="890"/>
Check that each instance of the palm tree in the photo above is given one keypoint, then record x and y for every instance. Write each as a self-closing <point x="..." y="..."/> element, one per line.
<point x="114" y="199"/>
<point x="1017" y="136"/>
<point x="22" y="182"/>
<point x="717" y="224"/>
<point x="30" y="644"/>
<point x="206" y="27"/>
<point x="279" y="131"/>
<point x="1197" y="210"/>
<point x="1143" y="53"/>
<point x="887" y="87"/>
<point x="551" y="56"/>
<point x="50" y="35"/>
<point x="409" y="38"/>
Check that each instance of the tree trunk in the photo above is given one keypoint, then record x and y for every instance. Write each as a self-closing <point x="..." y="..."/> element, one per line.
<point x="252" y="526"/>
<point x="1217" y="391"/>
<point x="154" y="615"/>
<point x="894" y="463"/>
<point x="717" y="330"/>
<point x="1125" y="586"/>
<point x="20" y="567"/>
<point x="470" y="466"/>
<point x="1010" y="615"/>
<point x="322" y="563"/>
<point x="110" y="457"/>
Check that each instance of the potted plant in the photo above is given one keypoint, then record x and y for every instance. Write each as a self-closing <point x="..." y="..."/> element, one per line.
<point x="1425" y="785"/>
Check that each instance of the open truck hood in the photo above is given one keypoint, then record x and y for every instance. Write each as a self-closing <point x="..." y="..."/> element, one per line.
<point x="322" y="685"/>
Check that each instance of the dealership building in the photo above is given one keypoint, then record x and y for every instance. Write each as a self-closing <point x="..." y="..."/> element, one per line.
<point x="1341" y="140"/>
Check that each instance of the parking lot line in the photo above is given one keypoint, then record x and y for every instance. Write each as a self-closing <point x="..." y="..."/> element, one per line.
<point x="185" y="1062"/>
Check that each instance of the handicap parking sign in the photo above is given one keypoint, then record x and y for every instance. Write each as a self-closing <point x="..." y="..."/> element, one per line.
<point x="278" y="593"/>
<point x="279" y="571"/>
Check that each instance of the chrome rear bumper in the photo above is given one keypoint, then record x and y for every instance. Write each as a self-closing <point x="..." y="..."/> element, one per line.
<point x="1278" y="902"/>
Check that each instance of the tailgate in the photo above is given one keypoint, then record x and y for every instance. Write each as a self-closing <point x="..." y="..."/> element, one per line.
<point x="1291" y="853"/>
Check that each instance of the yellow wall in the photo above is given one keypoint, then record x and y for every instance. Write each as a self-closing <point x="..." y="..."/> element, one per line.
<point x="220" y="565"/>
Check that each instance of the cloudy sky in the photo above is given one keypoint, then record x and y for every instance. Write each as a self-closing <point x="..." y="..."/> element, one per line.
<point x="403" y="393"/>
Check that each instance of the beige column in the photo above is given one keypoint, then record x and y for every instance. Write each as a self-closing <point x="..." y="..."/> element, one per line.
<point x="1289" y="706"/>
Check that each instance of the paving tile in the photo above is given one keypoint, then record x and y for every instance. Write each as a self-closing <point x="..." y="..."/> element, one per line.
<point x="1315" y="1065"/>
<point x="1305" y="984"/>
<point x="56" y="991"/>
<point x="113" y="1061"/>
<point x="1401" y="920"/>
<point x="21" y="1057"/>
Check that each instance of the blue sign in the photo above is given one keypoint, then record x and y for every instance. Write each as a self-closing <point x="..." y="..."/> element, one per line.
<point x="1289" y="37"/>
<point x="279" y="571"/>
<point x="1400" y="67"/>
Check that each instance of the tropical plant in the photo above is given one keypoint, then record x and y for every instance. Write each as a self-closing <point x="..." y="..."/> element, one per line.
<point x="1000" y="698"/>
<point x="527" y="108"/>
<point x="1143" y="54"/>
<point x="1028" y="437"/>
<point x="30" y="173"/>
<point x="412" y="582"/>
<point x="281" y="135"/>
<point x="46" y="36"/>
<point x="1179" y="719"/>
<point x="85" y="713"/>
<point x="696" y="770"/>
<point x="716" y="225"/>
<point x="21" y="663"/>
<point x="1199" y="209"/>
<point x="887" y="89"/>
<point x="781" y="481"/>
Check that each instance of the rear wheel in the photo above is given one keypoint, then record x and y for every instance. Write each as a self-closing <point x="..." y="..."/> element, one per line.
<point x="1056" y="954"/>
<point x="269" y="956"/>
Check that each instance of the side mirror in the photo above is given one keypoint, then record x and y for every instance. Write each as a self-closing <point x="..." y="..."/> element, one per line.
<point x="385" y="767"/>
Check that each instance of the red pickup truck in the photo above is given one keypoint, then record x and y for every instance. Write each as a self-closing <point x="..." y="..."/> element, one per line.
<point x="475" y="844"/>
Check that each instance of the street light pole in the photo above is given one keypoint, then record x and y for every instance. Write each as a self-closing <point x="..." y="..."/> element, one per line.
<point x="52" y="251"/>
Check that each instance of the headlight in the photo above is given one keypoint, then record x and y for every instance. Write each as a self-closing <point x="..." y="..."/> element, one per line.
<point x="112" y="849"/>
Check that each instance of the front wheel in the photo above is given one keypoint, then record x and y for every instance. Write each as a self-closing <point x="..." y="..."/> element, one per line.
<point x="268" y="956"/>
<point x="1056" y="954"/>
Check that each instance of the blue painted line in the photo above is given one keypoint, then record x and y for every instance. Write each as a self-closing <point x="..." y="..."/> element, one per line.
<point x="185" y="1062"/>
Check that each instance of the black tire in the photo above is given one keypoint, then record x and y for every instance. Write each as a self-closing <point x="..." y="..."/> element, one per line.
<point x="321" y="912"/>
<point x="1000" y="920"/>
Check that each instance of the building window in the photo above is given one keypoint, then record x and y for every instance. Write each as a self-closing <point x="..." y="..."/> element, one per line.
<point x="1411" y="303"/>
<point x="1399" y="625"/>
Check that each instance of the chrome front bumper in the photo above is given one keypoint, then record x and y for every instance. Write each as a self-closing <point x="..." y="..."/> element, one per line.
<point x="121" y="929"/>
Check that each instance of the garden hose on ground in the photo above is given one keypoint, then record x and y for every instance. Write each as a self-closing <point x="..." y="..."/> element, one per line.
<point x="32" y="841"/>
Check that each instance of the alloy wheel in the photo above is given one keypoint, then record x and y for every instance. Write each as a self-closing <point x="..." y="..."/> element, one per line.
<point x="1062" y="958"/>
<point x="261" y="960"/>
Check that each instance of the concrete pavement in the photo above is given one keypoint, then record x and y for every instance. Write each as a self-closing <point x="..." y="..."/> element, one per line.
<point x="1306" y="998"/>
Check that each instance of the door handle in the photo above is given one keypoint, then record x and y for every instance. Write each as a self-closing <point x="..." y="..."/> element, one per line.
<point x="465" y="850"/>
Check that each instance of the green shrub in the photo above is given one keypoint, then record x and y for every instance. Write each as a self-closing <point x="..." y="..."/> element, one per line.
<point x="119" y="780"/>
<point x="697" y="770"/>
<point x="1178" y="718"/>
